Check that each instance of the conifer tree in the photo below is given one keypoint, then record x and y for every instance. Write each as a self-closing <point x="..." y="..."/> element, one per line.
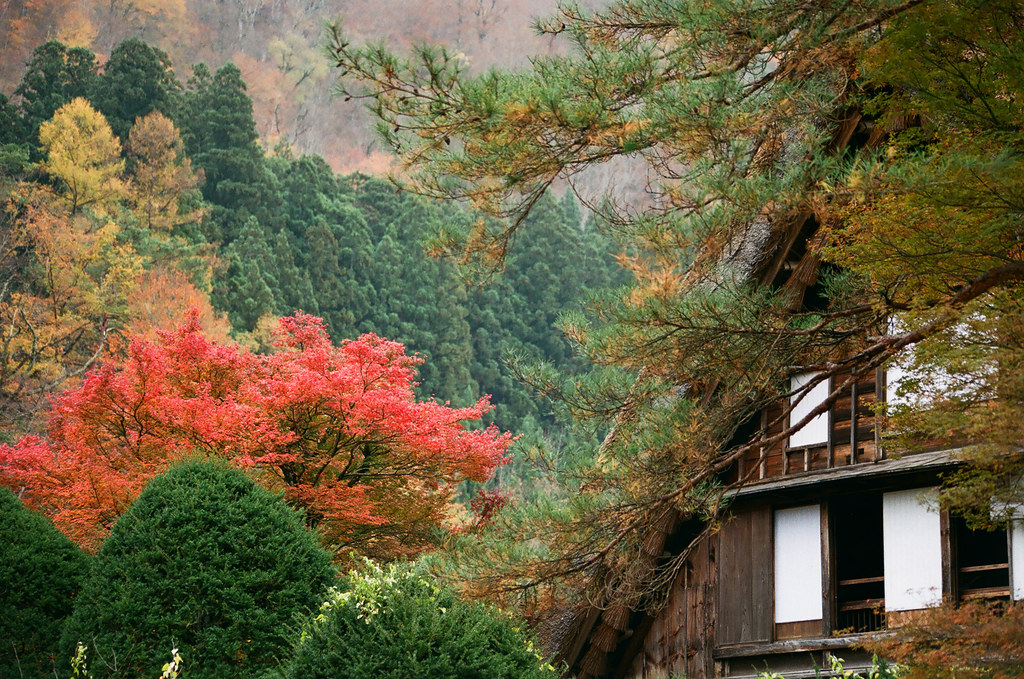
<point x="56" y="74"/>
<point x="885" y="133"/>
<point x="395" y="623"/>
<point x="83" y="155"/>
<point x="161" y="175"/>
<point x="137" y="79"/>
<point x="206" y="561"/>
<point x="217" y="127"/>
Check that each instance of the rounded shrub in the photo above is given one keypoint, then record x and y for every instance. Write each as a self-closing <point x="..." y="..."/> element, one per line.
<point x="205" y="561"/>
<point x="395" y="624"/>
<point x="40" y="573"/>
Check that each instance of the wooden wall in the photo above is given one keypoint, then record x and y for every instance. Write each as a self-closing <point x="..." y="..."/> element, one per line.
<point x="853" y="437"/>
<point x="679" y="640"/>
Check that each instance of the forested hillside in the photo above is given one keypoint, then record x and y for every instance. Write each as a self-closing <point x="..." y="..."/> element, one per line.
<point x="131" y="195"/>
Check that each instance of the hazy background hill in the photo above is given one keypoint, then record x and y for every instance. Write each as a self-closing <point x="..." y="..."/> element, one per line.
<point x="277" y="46"/>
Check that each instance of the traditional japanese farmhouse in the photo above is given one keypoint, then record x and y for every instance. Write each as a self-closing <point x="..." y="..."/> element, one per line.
<point x="829" y="536"/>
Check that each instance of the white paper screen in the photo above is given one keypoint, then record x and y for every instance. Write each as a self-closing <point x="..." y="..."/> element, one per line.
<point x="912" y="544"/>
<point x="816" y="431"/>
<point x="798" y="589"/>
<point x="1017" y="558"/>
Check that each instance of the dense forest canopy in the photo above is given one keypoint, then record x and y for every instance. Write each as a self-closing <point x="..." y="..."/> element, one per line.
<point x="183" y="183"/>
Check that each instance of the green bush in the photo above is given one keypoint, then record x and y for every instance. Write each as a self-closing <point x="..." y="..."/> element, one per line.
<point x="204" y="560"/>
<point x="394" y="624"/>
<point x="40" y="573"/>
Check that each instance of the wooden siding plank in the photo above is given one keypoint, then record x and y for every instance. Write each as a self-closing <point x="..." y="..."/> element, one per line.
<point x="745" y="577"/>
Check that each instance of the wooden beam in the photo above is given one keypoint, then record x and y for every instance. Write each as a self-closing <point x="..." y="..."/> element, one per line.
<point x="791" y="646"/>
<point x="918" y="462"/>
<point x="880" y="380"/>
<point x="830" y="454"/>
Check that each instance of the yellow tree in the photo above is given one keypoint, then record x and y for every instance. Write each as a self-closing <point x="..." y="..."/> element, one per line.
<point x="160" y="173"/>
<point x="64" y="295"/>
<point x="83" y="154"/>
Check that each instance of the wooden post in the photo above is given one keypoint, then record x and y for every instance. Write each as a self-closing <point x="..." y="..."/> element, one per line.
<point x="853" y="422"/>
<point x="830" y="454"/>
<point x="880" y="384"/>
<point x="828" y="576"/>
<point x="948" y="541"/>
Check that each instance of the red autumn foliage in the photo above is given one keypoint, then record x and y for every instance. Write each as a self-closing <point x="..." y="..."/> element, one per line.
<point x="336" y="427"/>
<point x="486" y="504"/>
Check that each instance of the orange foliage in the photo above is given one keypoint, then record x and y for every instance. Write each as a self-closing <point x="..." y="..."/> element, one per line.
<point x="160" y="173"/>
<point x="977" y="640"/>
<point x="65" y="283"/>
<point x="160" y="299"/>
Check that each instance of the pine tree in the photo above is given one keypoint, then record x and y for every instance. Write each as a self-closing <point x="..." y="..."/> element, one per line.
<point x="885" y="134"/>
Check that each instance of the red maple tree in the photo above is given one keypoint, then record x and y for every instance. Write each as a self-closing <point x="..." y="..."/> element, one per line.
<point x="336" y="427"/>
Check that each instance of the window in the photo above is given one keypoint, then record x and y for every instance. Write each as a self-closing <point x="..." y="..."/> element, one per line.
<point x="814" y="432"/>
<point x="860" y="570"/>
<point x="982" y="562"/>
<point x="850" y="562"/>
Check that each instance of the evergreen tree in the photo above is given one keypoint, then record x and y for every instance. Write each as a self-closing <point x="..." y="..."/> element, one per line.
<point x="247" y="291"/>
<point x="549" y="255"/>
<point x="137" y="79"/>
<point x="41" y="571"/>
<point x="56" y="74"/>
<point x="204" y="560"/>
<point x="217" y="127"/>
<point x="308" y="185"/>
<point x="295" y="291"/>
<point x="395" y="624"/>
<point x="884" y="137"/>
<point x="339" y="258"/>
<point x="11" y="123"/>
